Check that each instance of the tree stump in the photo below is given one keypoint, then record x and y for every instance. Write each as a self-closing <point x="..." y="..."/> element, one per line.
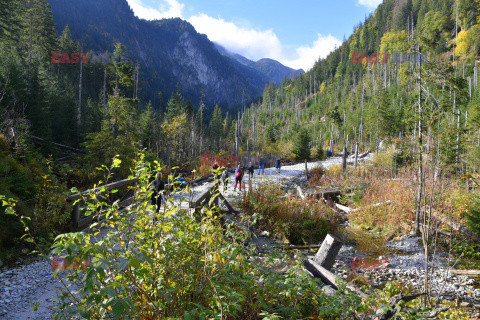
<point x="328" y="252"/>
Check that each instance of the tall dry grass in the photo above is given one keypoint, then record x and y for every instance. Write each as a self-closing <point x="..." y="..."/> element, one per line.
<point x="288" y="218"/>
<point x="396" y="216"/>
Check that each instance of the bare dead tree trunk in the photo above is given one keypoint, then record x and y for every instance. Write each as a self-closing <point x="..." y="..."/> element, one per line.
<point x="105" y="87"/>
<point x="79" y="111"/>
<point x="420" y="158"/>
<point x="356" y="154"/>
<point x="361" y="117"/>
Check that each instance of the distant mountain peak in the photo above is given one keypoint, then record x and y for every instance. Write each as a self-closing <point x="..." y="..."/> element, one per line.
<point x="272" y="69"/>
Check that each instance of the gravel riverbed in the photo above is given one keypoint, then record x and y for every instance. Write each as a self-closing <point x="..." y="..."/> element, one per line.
<point x="407" y="265"/>
<point x="22" y="286"/>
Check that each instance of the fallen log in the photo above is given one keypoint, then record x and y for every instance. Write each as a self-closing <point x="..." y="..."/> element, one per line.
<point x="466" y="272"/>
<point x="363" y="155"/>
<point x="300" y="192"/>
<point x="435" y="312"/>
<point x="373" y="205"/>
<point x="348" y="210"/>
<point x="38" y="140"/>
<point x="200" y="180"/>
<point x="333" y="192"/>
<point x="343" y="208"/>
<point x="328" y="277"/>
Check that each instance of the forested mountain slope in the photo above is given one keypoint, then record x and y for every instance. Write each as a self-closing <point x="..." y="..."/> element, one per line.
<point x="167" y="51"/>
<point x="363" y="93"/>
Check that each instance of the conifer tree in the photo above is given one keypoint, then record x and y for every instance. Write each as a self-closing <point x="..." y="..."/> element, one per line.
<point x="302" y="145"/>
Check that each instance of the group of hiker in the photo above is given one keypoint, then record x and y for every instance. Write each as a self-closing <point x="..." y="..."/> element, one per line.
<point x="158" y="186"/>
<point x="240" y="172"/>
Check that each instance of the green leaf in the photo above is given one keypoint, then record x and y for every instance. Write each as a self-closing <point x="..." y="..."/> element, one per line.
<point x="135" y="263"/>
<point x="84" y="314"/>
<point x="118" y="309"/>
<point x="116" y="162"/>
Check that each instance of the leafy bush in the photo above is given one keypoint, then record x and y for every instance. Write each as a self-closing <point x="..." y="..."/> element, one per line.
<point x="51" y="214"/>
<point x="383" y="162"/>
<point x="473" y="216"/>
<point x="180" y="267"/>
<point x="316" y="175"/>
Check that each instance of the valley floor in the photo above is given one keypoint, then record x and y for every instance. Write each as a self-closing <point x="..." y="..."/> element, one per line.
<point x="25" y="285"/>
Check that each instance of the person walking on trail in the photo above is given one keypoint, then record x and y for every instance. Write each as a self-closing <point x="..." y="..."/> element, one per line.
<point x="180" y="181"/>
<point x="225" y="179"/>
<point x="215" y="172"/>
<point x="261" y="166"/>
<point x="215" y="165"/>
<point x="278" y="165"/>
<point x="238" y="178"/>
<point x="158" y="187"/>
<point x="250" y="170"/>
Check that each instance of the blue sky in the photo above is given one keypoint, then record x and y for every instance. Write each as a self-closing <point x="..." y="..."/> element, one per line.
<point x="296" y="33"/>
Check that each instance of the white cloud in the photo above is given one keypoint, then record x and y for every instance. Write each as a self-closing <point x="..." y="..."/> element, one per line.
<point x="167" y="9"/>
<point x="251" y="43"/>
<point x="256" y="45"/>
<point x="306" y="56"/>
<point x="372" y="4"/>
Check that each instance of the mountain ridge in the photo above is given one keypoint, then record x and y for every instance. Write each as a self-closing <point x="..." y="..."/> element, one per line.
<point x="273" y="69"/>
<point x="170" y="52"/>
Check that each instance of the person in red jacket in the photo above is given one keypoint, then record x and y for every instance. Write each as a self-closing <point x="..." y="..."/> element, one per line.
<point x="238" y="178"/>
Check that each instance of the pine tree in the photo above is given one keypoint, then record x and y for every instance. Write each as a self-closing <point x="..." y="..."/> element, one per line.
<point x="10" y="20"/>
<point x="39" y="35"/>
<point x="301" y="148"/>
<point x="215" y="126"/>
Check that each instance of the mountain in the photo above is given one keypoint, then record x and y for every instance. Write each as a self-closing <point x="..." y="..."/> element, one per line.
<point x="276" y="71"/>
<point x="272" y="69"/>
<point x="169" y="52"/>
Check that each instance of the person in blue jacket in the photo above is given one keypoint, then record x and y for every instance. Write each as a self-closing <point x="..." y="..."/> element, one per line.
<point x="261" y="166"/>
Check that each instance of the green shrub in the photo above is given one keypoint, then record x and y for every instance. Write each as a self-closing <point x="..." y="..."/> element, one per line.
<point x="473" y="216"/>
